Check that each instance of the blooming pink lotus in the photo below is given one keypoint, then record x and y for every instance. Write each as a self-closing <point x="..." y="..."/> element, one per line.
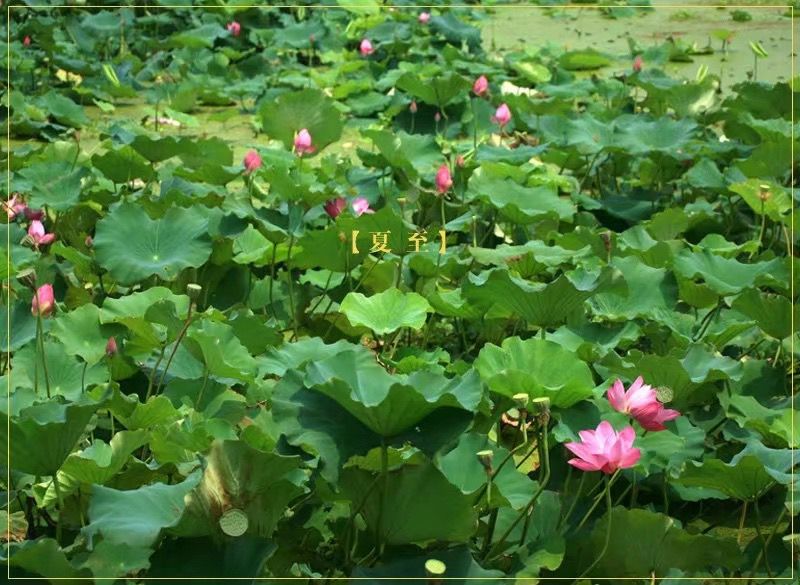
<point x="38" y="235"/>
<point x="15" y="206"/>
<point x="111" y="347"/>
<point x="366" y="48"/>
<point x="234" y="28"/>
<point x="641" y="402"/>
<point x="303" y="143"/>
<point x="252" y="162"/>
<point x="361" y="206"/>
<point x="638" y="64"/>
<point x="444" y="180"/>
<point x="604" y="449"/>
<point x="480" y="86"/>
<point x="424" y="17"/>
<point x="502" y="115"/>
<point x="335" y="206"/>
<point x="44" y="301"/>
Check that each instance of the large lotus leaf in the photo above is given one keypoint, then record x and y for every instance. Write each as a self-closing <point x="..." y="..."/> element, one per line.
<point x="161" y="247"/>
<point x="116" y="559"/>
<point x="42" y="436"/>
<point x="123" y="165"/>
<point x="241" y="477"/>
<point x="319" y="425"/>
<point x="387" y="311"/>
<point x="519" y="203"/>
<point x="773" y="424"/>
<point x="654" y="545"/>
<point x="648" y="290"/>
<point x="772" y="313"/>
<point x="463" y="469"/>
<point x="137" y="517"/>
<point x="158" y="410"/>
<point x="539" y="304"/>
<point x="135" y="305"/>
<point x="747" y="476"/>
<point x="704" y="365"/>
<point x="67" y="375"/>
<point x="671" y="451"/>
<point x="63" y="109"/>
<point x="777" y="204"/>
<point x="536" y="367"/>
<point x="728" y="276"/>
<point x="438" y="90"/>
<point x="419" y="505"/>
<point x="462" y="569"/>
<point x="546" y="254"/>
<point x="44" y="557"/>
<point x="387" y="404"/>
<point x="292" y="356"/>
<point x="308" y="108"/>
<point x="207" y="559"/>
<point x="416" y="155"/>
<point x="55" y="184"/>
<point x="223" y="353"/>
<point x="22" y="326"/>
<point x="81" y="333"/>
<point x="583" y="60"/>
<point x="641" y="136"/>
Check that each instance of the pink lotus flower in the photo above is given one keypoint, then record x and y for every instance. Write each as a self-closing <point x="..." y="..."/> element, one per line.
<point x="15" y="206"/>
<point x="38" y="235"/>
<point x="640" y="401"/>
<point x="335" y="206"/>
<point x="44" y="301"/>
<point x="366" y="48"/>
<point x="26" y="41"/>
<point x="252" y="162"/>
<point x="444" y="180"/>
<point x="638" y="64"/>
<point x="604" y="450"/>
<point x="303" y="144"/>
<point x="502" y="115"/>
<point x="480" y="86"/>
<point x="424" y="17"/>
<point x="111" y="347"/>
<point x="234" y="28"/>
<point x="412" y="107"/>
<point x="361" y="206"/>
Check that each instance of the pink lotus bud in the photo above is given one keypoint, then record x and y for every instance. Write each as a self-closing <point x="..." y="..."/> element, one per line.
<point x="252" y="162"/>
<point x="437" y="117"/>
<point x="424" y="17"/>
<point x="412" y="107"/>
<point x="111" y="347"/>
<point x="361" y="206"/>
<point x="603" y="449"/>
<point x="303" y="143"/>
<point x="460" y="161"/>
<point x="26" y="41"/>
<point x="638" y="64"/>
<point x="443" y="179"/>
<point x="88" y="241"/>
<point x="234" y="28"/>
<point x="312" y="39"/>
<point x="480" y="86"/>
<point x="502" y="115"/>
<point x="335" y="206"/>
<point x="44" y="301"/>
<point x="37" y="234"/>
<point x="366" y="48"/>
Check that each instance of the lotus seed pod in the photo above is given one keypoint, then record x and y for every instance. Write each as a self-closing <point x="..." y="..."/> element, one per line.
<point x="540" y="405"/>
<point x="193" y="290"/>
<point x="664" y="393"/>
<point x="485" y="459"/>
<point x="434" y="570"/>
<point x="234" y="522"/>
<point x="521" y="400"/>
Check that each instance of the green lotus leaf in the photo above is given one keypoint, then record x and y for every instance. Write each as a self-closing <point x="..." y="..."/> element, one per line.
<point x="519" y="203"/>
<point x="124" y="165"/>
<point x="82" y="334"/>
<point x="462" y="569"/>
<point x="387" y="311"/>
<point x="55" y="184"/>
<point x="161" y="247"/>
<point x="776" y="203"/>
<point x="438" y="90"/>
<point x="583" y="60"/>
<point x="728" y="276"/>
<point x="308" y="108"/>
<point x="44" y="557"/>
<point x="536" y="367"/>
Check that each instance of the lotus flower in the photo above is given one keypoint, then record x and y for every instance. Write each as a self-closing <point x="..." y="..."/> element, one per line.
<point x="424" y="17"/>
<point x="605" y="450"/>
<point x="502" y="115"/>
<point x="44" y="301"/>
<point x="303" y="143"/>
<point x="641" y="402"/>
<point x="234" y="28"/>
<point x="412" y="107"/>
<point x="638" y="64"/>
<point x="335" y="206"/>
<point x="111" y="347"/>
<point x="26" y="41"/>
<point x="361" y="206"/>
<point x="15" y="206"/>
<point x="38" y="235"/>
<point x="480" y="86"/>
<point x="444" y="179"/>
<point x="366" y="48"/>
<point x="252" y="162"/>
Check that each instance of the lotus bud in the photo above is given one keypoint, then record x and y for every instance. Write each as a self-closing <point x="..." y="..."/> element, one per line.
<point x="111" y="347"/>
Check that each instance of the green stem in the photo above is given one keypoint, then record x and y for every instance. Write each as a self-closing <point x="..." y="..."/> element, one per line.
<point x="596" y="503"/>
<point x="474" y="126"/>
<point x="762" y="554"/>
<point x="272" y="278"/>
<point x="761" y="538"/>
<point x="574" y="503"/>
<point x="608" y="533"/>
<point x="60" y="501"/>
<point x="741" y="523"/>
<point x="384" y="475"/>
<point x="153" y="373"/>
<point x="291" y="287"/>
<point x="178" y="340"/>
<point x="40" y="335"/>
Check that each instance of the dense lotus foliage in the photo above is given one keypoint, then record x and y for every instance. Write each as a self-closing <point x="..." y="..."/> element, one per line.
<point x="330" y="293"/>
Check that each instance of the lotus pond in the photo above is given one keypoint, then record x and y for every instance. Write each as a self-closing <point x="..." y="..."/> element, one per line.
<point x="382" y="292"/>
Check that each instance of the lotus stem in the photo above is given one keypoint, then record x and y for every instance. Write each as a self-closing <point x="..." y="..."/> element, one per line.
<point x="608" y="532"/>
